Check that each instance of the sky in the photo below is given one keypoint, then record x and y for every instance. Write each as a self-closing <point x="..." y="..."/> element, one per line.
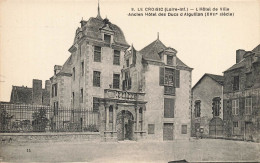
<point x="36" y="35"/>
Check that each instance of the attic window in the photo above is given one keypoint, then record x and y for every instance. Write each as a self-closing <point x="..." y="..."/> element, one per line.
<point x="169" y="60"/>
<point x="107" y="38"/>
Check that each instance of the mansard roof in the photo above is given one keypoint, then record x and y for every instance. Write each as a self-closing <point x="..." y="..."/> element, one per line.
<point x="92" y="30"/>
<point x="151" y="52"/>
<point x="217" y="78"/>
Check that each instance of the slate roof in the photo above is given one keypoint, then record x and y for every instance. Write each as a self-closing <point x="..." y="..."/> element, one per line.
<point x="92" y="29"/>
<point x="66" y="68"/>
<point x="21" y="95"/>
<point x="217" y="78"/>
<point x="151" y="52"/>
<point x="242" y="63"/>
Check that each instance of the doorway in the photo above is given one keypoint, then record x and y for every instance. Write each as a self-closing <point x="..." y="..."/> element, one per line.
<point x="125" y="123"/>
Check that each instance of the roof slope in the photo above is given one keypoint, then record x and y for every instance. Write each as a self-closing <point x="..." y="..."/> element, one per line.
<point x="92" y="30"/>
<point x="21" y="95"/>
<point x="242" y="62"/>
<point x="217" y="78"/>
<point x="151" y="52"/>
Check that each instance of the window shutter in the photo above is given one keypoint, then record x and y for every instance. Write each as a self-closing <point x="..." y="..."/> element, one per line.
<point x="241" y="109"/>
<point x="161" y="75"/>
<point x="177" y="78"/>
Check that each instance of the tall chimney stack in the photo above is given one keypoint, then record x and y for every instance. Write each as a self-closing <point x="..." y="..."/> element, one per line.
<point x="240" y="55"/>
<point x="37" y="92"/>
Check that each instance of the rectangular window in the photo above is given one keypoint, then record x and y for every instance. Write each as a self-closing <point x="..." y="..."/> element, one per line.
<point x="183" y="129"/>
<point x="127" y="63"/>
<point x="235" y="107"/>
<point x="73" y="99"/>
<point x="73" y="73"/>
<point x="82" y="68"/>
<point x="249" y="80"/>
<point x="116" y="57"/>
<point x="169" y="60"/>
<point x="169" y="77"/>
<point x="56" y="107"/>
<point x="216" y="106"/>
<point x="107" y="38"/>
<point x="95" y="104"/>
<point x="197" y="108"/>
<point x="235" y="124"/>
<point x="248" y="106"/>
<point x="97" y="54"/>
<point x="150" y="128"/>
<point x="168" y="108"/>
<point x="236" y="83"/>
<point x="116" y="81"/>
<point x="81" y="95"/>
<point x="96" y="78"/>
<point x="54" y="90"/>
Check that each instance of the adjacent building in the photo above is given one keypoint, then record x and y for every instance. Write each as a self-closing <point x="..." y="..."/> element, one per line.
<point x="33" y="96"/>
<point x="241" y="96"/>
<point x="133" y="95"/>
<point x="207" y="106"/>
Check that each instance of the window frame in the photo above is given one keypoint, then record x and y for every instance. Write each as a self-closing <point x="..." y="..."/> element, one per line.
<point x="248" y="108"/>
<point x="106" y="40"/>
<point x="81" y="95"/>
<point x="236" y="83"/>
<point x="96" y="79"/>
<point x="197" y="110"/>
<point x="82" y="68"/>
<point x="235" y="106"/>
<point x="116" y="60"/>
<point x="116" y="82"/>
<point x="169" y="60"/>
<point x="97" y="54"/>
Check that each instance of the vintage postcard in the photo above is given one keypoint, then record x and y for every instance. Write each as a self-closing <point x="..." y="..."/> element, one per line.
<point x="129" y="81"/>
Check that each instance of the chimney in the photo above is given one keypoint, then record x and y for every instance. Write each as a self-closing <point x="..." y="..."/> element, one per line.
<point x="240" y="55"/>
<point x="57" y="69"/>
<point x="37" y="92"/>
<point x="47" y="85"/>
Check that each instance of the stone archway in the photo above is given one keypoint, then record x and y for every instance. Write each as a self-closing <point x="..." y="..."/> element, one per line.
<point x="125" y="125"/>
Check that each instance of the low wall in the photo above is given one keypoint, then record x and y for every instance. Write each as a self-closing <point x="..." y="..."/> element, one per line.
<point x="37" y="137"/>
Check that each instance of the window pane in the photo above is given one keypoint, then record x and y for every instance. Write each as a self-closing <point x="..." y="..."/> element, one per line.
<point x="97" y="54"/>
<point x="107" y="38"/>
<point x="96" y="78"/>
<point x="116" y="57"/>
<point x="116" y="81"/>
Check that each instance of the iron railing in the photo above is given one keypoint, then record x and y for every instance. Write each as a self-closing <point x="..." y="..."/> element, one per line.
<point x="38" y="118"/>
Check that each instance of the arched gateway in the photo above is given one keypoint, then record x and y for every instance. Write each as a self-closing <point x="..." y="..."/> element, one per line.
<point x="125" y="125"/>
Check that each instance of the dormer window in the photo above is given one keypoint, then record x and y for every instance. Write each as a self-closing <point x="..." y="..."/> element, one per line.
<point x="107" y="38"/>
<point x="169" y="60"/>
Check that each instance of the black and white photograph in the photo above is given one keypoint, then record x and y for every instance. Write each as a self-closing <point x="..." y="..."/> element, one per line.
<point x="129" y="81"/>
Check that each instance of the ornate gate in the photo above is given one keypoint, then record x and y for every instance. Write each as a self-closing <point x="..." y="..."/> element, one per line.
<point x="124" y="122"/>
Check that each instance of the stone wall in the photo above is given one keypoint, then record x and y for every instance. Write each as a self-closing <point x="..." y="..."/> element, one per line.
<point x="43" y="137"/>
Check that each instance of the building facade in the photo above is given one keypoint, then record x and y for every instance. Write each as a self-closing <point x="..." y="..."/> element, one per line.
<point x="241" y="96"/>
<point x="137" y="95"/>
<point x="207" y="106"/>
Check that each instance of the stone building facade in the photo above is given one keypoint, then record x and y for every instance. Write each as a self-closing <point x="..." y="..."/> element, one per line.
<point x="241" y="96"/>
<point x="207" y="106"/>
<point x="138" y="95"/>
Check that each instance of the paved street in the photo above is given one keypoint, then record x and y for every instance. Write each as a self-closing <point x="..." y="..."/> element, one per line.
<point x="192" y="151"/>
